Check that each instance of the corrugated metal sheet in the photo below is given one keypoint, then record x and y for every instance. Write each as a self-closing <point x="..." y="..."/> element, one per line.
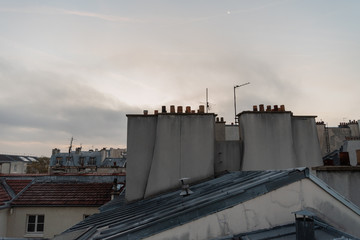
<point x="150" y="216"/>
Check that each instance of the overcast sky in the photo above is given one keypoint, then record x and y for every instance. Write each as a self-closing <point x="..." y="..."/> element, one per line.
<point x="76" y="68"/>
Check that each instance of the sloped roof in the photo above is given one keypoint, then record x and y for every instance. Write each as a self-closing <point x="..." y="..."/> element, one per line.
<point x="288" y="232"/>
<point x="4" y="196"/>
<point x="65" y="194"/>
<point x="16" y="158"/>
<point x="18" y="184"/>
<point x="150" y="216"/>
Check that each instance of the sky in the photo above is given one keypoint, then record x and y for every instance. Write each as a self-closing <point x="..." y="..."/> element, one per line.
<point x="76" y="68"/>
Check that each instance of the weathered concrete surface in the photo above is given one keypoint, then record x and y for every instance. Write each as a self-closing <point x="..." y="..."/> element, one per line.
<point x="220" y="131"/>
<point x="307" y="147"/>
<point x="345" y="182"/>
<point x="227" y="156"/>
<point x="232" y="133"/>
<point x="267" y="211"/>
<point x="140" y="148"/>
<point x="166" y="147"/>
<point x="184" y="148"/>
<point x="3" y="221"/>
<point x="267" y="141"/>
<point x="351" y="146"/>
<point x="278" y="140"/>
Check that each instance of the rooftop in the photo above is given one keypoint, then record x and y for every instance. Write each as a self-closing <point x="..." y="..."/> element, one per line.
<point x="16" y="158"/>
<point x="150" y="216"/>
<point x="57" y="190"/>
<point x="69" y="194"/>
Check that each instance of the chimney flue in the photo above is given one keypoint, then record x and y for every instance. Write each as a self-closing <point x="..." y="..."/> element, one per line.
<point x="261" y="106"/>
<point x="282" y="108"/>
<point x="201" y="109"/>
<point x="179" y="109"/>
<point x="304" y="225"/>
<point x="188" y="109"/>
<point x="255" y="108"/>
<point x="172" y="109"/>
<point x="163" y="109"/>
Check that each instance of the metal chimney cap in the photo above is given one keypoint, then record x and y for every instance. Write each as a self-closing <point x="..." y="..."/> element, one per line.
<point x="305" y="212"/>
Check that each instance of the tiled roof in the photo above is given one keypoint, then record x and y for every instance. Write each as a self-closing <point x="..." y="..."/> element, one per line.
<point x="17" y="184"/>
<point x="4" y="196"/>
<point x="65" y="194"/>
<point x="150" y="216"/>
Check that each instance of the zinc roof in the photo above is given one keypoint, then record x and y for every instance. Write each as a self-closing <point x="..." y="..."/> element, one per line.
<point x="150" y="216"/>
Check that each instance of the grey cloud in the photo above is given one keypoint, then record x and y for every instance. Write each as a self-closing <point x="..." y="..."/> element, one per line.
<point x="44" y="106"/>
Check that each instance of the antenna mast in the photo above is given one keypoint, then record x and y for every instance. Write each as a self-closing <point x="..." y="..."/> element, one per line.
<point x="70" y="147"/>
<point x="207" y="101"/>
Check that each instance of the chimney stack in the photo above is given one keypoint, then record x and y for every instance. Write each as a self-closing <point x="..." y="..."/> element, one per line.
<point x="172" y="109"/>
<point x="304" y="225"/>
<point x="201" y="109"/>
<point x="179" y="109"/>
<point x="163" y="109"/>
<point x="261" y="106"/>
<point x="282" y="108"/>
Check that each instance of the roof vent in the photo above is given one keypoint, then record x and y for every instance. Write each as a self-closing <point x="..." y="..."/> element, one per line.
<point x="185" y="190"/>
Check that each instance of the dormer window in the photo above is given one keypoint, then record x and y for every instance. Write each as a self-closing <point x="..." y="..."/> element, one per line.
<point x="81" y="161"/>
<point x="68" y="159"/>
<point x="92" y="161"/>
<point x="58" y="160"/>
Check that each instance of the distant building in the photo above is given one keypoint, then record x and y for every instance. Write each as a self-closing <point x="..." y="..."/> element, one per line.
<point x="78" y="161"/>
<point x="42" y="206"/>
<point x="333" y="138"/>
<point x="15" y="164"/>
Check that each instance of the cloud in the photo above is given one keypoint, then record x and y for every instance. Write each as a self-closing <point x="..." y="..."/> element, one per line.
<point x="48" y="108"/>
<point x="60" y="11"/>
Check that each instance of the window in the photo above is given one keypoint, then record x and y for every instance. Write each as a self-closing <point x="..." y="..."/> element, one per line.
<point x="82" y="161"/>
<point x="68" y="160"/>
<point x="92" y="161"/>
<point x="35" y="223"/>
<point x="58" y="160"/>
